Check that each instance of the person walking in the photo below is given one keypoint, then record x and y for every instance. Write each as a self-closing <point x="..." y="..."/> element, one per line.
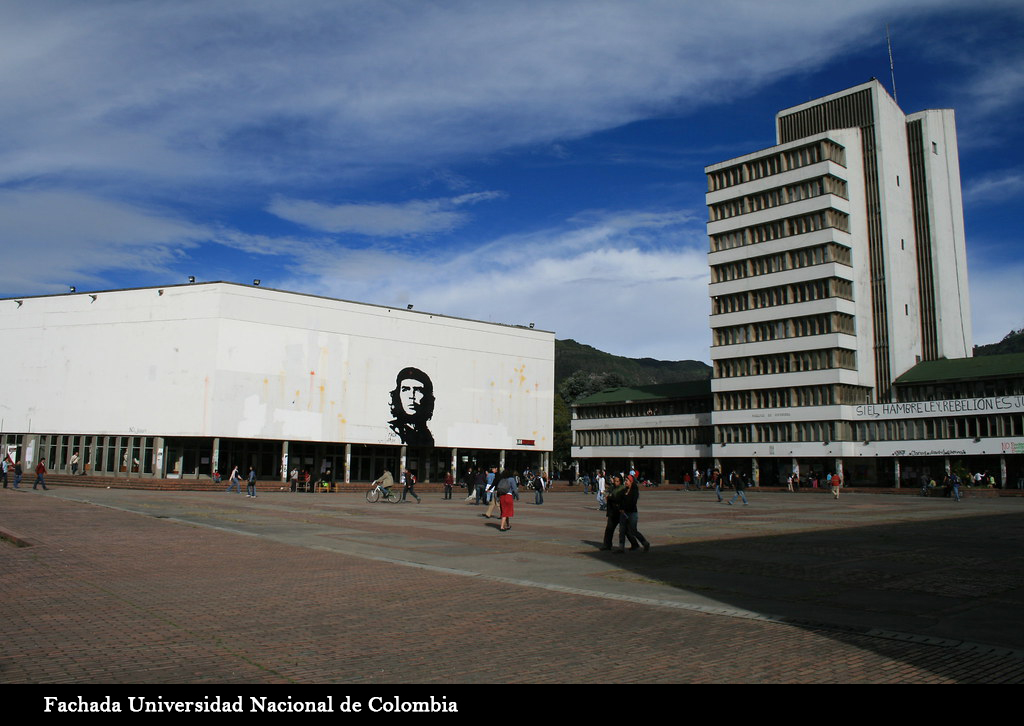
<point x="537" y="483"/>
<point x="613" y="513"/>
<point x="503" y="494"/>
<point x="480" y="482"/>
<point x="235" y="481"/>
<point x="18" y="473"/>
<point x="468" y="481"/>
<point x="630" y="517"/>
<point x="409" y="481"/>
<point x="491" y="495"/>
<point x="835" y="482"/>
<point x="449" y="482"/>
<point x="40" y="475"/>
<point x="250" y="488"/>
<point x="716" y="481"/>
<point x="738" y="484"/>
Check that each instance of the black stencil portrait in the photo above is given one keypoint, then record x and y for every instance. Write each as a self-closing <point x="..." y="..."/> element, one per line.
<point x="412" y="405"/>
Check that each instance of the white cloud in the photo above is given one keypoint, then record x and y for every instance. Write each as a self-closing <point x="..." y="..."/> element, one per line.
<point x="421" y="216"/>
<point x="55" y="238"/>
<point x="206" y="105"/>
<point x="249" y="91"/>
<point x="994" y="188"/>
<point x="629" y="283"/>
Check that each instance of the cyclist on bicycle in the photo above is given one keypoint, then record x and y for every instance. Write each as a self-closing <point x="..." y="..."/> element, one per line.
<point x="386" y="481"/>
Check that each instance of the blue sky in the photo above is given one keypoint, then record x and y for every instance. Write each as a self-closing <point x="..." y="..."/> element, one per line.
<point x="521" y="161"/>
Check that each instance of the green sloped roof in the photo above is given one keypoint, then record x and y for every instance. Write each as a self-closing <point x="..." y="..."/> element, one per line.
<point x="955" y="369"/>
<point x="655" y="392"/>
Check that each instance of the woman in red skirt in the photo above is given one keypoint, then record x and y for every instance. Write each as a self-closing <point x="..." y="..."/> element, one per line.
<point x="504" y="491"/>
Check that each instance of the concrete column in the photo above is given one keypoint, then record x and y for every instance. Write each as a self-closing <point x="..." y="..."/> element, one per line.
<point x="284" y="462"/>
<point x="945" y="465"/>
<point x="755" y="472"/>
<point x="348" y="463"/>
<point x="839" y="470"/>
<point x="29" y="451"/>
<point x="401" y="463"/>
<point x="896" y="467"/>
<point x="214" y="456"/>
<point x="662" y="462"/>
<point x="795" y="466"/>
<point x="1002" y="471"/>
<point x="132" y="448"/>
<point x="159" y="455"/>
<point x="501" y="461"/>
<point x="455" y="464"/>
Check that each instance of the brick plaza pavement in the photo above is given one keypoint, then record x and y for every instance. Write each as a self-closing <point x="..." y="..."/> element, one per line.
<point x="208" y="588"/>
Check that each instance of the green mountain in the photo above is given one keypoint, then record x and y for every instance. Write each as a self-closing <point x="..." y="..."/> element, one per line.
<point x="581" y="370"/>
<point x="571" y="357"/>
<point x="1013" y="342"/>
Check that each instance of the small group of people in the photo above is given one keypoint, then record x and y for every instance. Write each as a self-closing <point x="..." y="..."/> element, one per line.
<point x="407" y="480"/>
<point x="10" y="465"/>
<point x="833" y="481"/>
<point x="235" y="482"/>
<point x="622" y="514"/>
<point x="503" y="491"/>
<point x="738" y="481"/>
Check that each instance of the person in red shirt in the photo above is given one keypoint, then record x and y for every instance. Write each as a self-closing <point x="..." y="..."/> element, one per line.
<point x="40" y="473"/>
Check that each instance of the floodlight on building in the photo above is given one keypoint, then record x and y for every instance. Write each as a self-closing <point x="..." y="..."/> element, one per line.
<point x="191" y="279"/>
<point x="71" y="288"/>
<point x="256" y="282"/>
<point x="93" y="297"/>
<point x="160" y="292"/>
<point x="531" y="326"/>
<point x="20" y="302"/>
<point x="409" y="306"/>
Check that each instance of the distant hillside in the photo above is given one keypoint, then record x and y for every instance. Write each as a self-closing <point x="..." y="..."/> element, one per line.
<point x="1013" y="342"/>
<point x="571" y="357"/>
<point x="581" y="369"/>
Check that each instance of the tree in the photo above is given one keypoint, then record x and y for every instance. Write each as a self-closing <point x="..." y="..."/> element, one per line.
<point x="582" y="384"/>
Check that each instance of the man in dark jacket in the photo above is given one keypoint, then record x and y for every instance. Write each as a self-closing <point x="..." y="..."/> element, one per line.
<point x="630" y="517"/>
<point x="614" y="513"/>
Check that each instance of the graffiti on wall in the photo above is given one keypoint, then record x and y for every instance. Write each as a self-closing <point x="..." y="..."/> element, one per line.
<point x="412" y="407"/>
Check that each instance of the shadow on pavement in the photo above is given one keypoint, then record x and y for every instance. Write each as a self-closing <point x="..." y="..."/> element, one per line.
<point x="959" y="581"/>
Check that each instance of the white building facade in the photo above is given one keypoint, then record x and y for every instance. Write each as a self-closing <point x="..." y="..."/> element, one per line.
<point x="838" y="262"/>
<point x="662" y="431"/>
<point x="182" y="380"/>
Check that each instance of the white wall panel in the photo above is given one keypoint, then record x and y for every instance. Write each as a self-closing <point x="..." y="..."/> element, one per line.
<point x="233" y="361"/>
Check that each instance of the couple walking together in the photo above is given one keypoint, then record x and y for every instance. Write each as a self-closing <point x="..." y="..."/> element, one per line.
<point x="622" y="513"/>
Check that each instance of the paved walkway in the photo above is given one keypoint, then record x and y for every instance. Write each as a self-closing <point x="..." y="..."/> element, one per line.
<point x="294" y="588"/>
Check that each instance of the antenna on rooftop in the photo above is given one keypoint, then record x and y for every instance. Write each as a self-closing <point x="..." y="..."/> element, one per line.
<point x="892" y="69"/>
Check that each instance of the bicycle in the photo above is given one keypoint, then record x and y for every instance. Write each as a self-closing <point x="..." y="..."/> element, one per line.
<point x="373" y="496"/>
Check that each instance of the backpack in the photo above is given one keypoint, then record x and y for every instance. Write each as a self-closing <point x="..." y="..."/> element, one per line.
<point x="504" y="486"/>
